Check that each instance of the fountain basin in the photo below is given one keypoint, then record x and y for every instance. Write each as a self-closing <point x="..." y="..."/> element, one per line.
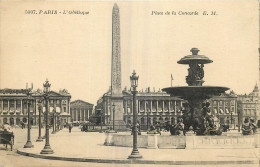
<point x="183" y="142"/>
<point x="193" y="92"/>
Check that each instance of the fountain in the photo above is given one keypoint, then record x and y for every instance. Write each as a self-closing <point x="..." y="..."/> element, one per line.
<point x="198" y="115"/>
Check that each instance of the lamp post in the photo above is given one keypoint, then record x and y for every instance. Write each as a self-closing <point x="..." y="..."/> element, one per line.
<point x="40" y="126"/>
<point x="148" y="117"/>
<point x="238" y="119"/>
<point x="101" y="119"/>
<point x="54" y="122"/>
<point x="231" y="118"/>
<point x="47" y="148"/>
<point x="58" y="123"/>
<point x="134" y="83"/>
<point x="114" y="106"/>
<point x="29" y="95"/>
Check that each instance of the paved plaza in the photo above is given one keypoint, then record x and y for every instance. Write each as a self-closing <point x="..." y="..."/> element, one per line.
<point x="88" y="148"/>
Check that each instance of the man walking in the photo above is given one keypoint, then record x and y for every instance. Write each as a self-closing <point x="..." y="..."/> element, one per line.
<point x="70" y="127"/>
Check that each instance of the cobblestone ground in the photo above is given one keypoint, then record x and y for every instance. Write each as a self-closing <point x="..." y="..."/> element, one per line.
<point x="12" y="159"/>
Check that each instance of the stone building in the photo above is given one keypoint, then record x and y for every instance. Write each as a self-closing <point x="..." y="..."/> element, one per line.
<point x="13" y="106"/>
<point x="157" y="106"/>
<point x="248" y="105"/>
<point x="225" y="107"/>
<point x="80" y="111"/>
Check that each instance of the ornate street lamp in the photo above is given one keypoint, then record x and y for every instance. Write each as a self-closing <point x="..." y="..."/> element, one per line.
<point x="54" y="121"/>
<point x="29" y="96"/>
<point x="238" y="119"/>
<point x="101" y="121"/>
<point x="134" y="83"/>
<point x="47" y="148"/>
<point x="148" y="117"/>
<point x="57" y="129"/>
<point x="231" y="121"/>
<point x="114" y="106"/>
<point x="40" y="126"/>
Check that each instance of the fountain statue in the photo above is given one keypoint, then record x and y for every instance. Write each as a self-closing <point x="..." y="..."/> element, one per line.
<point x="196" y="113"/>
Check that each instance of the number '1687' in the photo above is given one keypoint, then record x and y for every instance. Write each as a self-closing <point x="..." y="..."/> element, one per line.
<point x="30" y="12"/>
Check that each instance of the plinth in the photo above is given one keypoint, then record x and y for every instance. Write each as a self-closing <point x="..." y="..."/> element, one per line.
<point x="28" y="144"/>
<point x="47" y="150"/>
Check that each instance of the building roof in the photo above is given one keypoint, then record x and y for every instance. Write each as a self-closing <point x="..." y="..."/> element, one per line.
<point x="255" y="92"/>
<point x="80" y="103"/>
<point x="38" y="92"/>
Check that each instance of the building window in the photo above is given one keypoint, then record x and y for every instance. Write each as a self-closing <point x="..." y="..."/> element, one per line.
<point x="142" y="120"/>
<point x="154" y="120"/>
<point x="128" y="110"/>
<point x="154" y="105"/>
<point x="18" y="105"/>
<point x="5" y="105"/>
<point x="247" y="112"/>
<point x="11" y="103"/>
<point x="220" y="103"/>
<point x="227" y="103"/>
<point x="172" y="120"/>
<point x="64" y="109"/>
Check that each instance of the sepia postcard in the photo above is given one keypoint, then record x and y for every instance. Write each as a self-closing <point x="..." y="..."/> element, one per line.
<point x="129" y="83"/>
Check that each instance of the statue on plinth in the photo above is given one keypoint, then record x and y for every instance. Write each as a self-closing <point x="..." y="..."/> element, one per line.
<point x="253" y="125"/>
<point x="210" y="123"/>
<point x="246" y="127"/>
<point x="195" y="74"/>
<point x="177" y="129"/>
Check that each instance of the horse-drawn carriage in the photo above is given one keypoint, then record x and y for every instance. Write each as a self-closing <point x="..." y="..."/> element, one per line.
<point x="7" y="138"/>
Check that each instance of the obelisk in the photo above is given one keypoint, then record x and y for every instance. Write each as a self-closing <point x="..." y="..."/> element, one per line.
<point x="116" y="91"/>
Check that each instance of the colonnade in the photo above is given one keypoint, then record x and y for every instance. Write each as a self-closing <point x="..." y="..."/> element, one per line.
<point x="80" y="114"/>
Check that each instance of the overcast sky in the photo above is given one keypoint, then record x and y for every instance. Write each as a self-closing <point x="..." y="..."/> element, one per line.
<point x="74" y="51"/>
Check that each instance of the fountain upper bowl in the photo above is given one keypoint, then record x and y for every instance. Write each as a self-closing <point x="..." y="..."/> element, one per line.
<point x="191" y="92"/>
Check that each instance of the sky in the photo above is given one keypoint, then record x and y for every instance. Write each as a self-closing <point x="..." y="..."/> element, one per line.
<point x="74" y="51"/>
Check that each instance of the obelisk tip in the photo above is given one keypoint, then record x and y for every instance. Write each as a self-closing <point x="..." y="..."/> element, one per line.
<point x="115" y="6"/>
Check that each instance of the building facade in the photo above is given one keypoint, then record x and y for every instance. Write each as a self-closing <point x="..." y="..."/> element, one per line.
<point x="225" y="108"/>
<point x="80" y="111"/>
<point x="14" y="109"/>
<point x="248" y="105"/>
<point x="158" y="106"/>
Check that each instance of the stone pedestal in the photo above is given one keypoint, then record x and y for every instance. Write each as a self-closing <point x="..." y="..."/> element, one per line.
<point x="152" y="141"/>
<point x="190" y="140"/>
<point x="108" y="140"/>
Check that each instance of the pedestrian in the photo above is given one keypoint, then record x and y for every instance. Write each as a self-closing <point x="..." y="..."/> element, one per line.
<point x="70" y="127"/>
<point x="253" y="126"/>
